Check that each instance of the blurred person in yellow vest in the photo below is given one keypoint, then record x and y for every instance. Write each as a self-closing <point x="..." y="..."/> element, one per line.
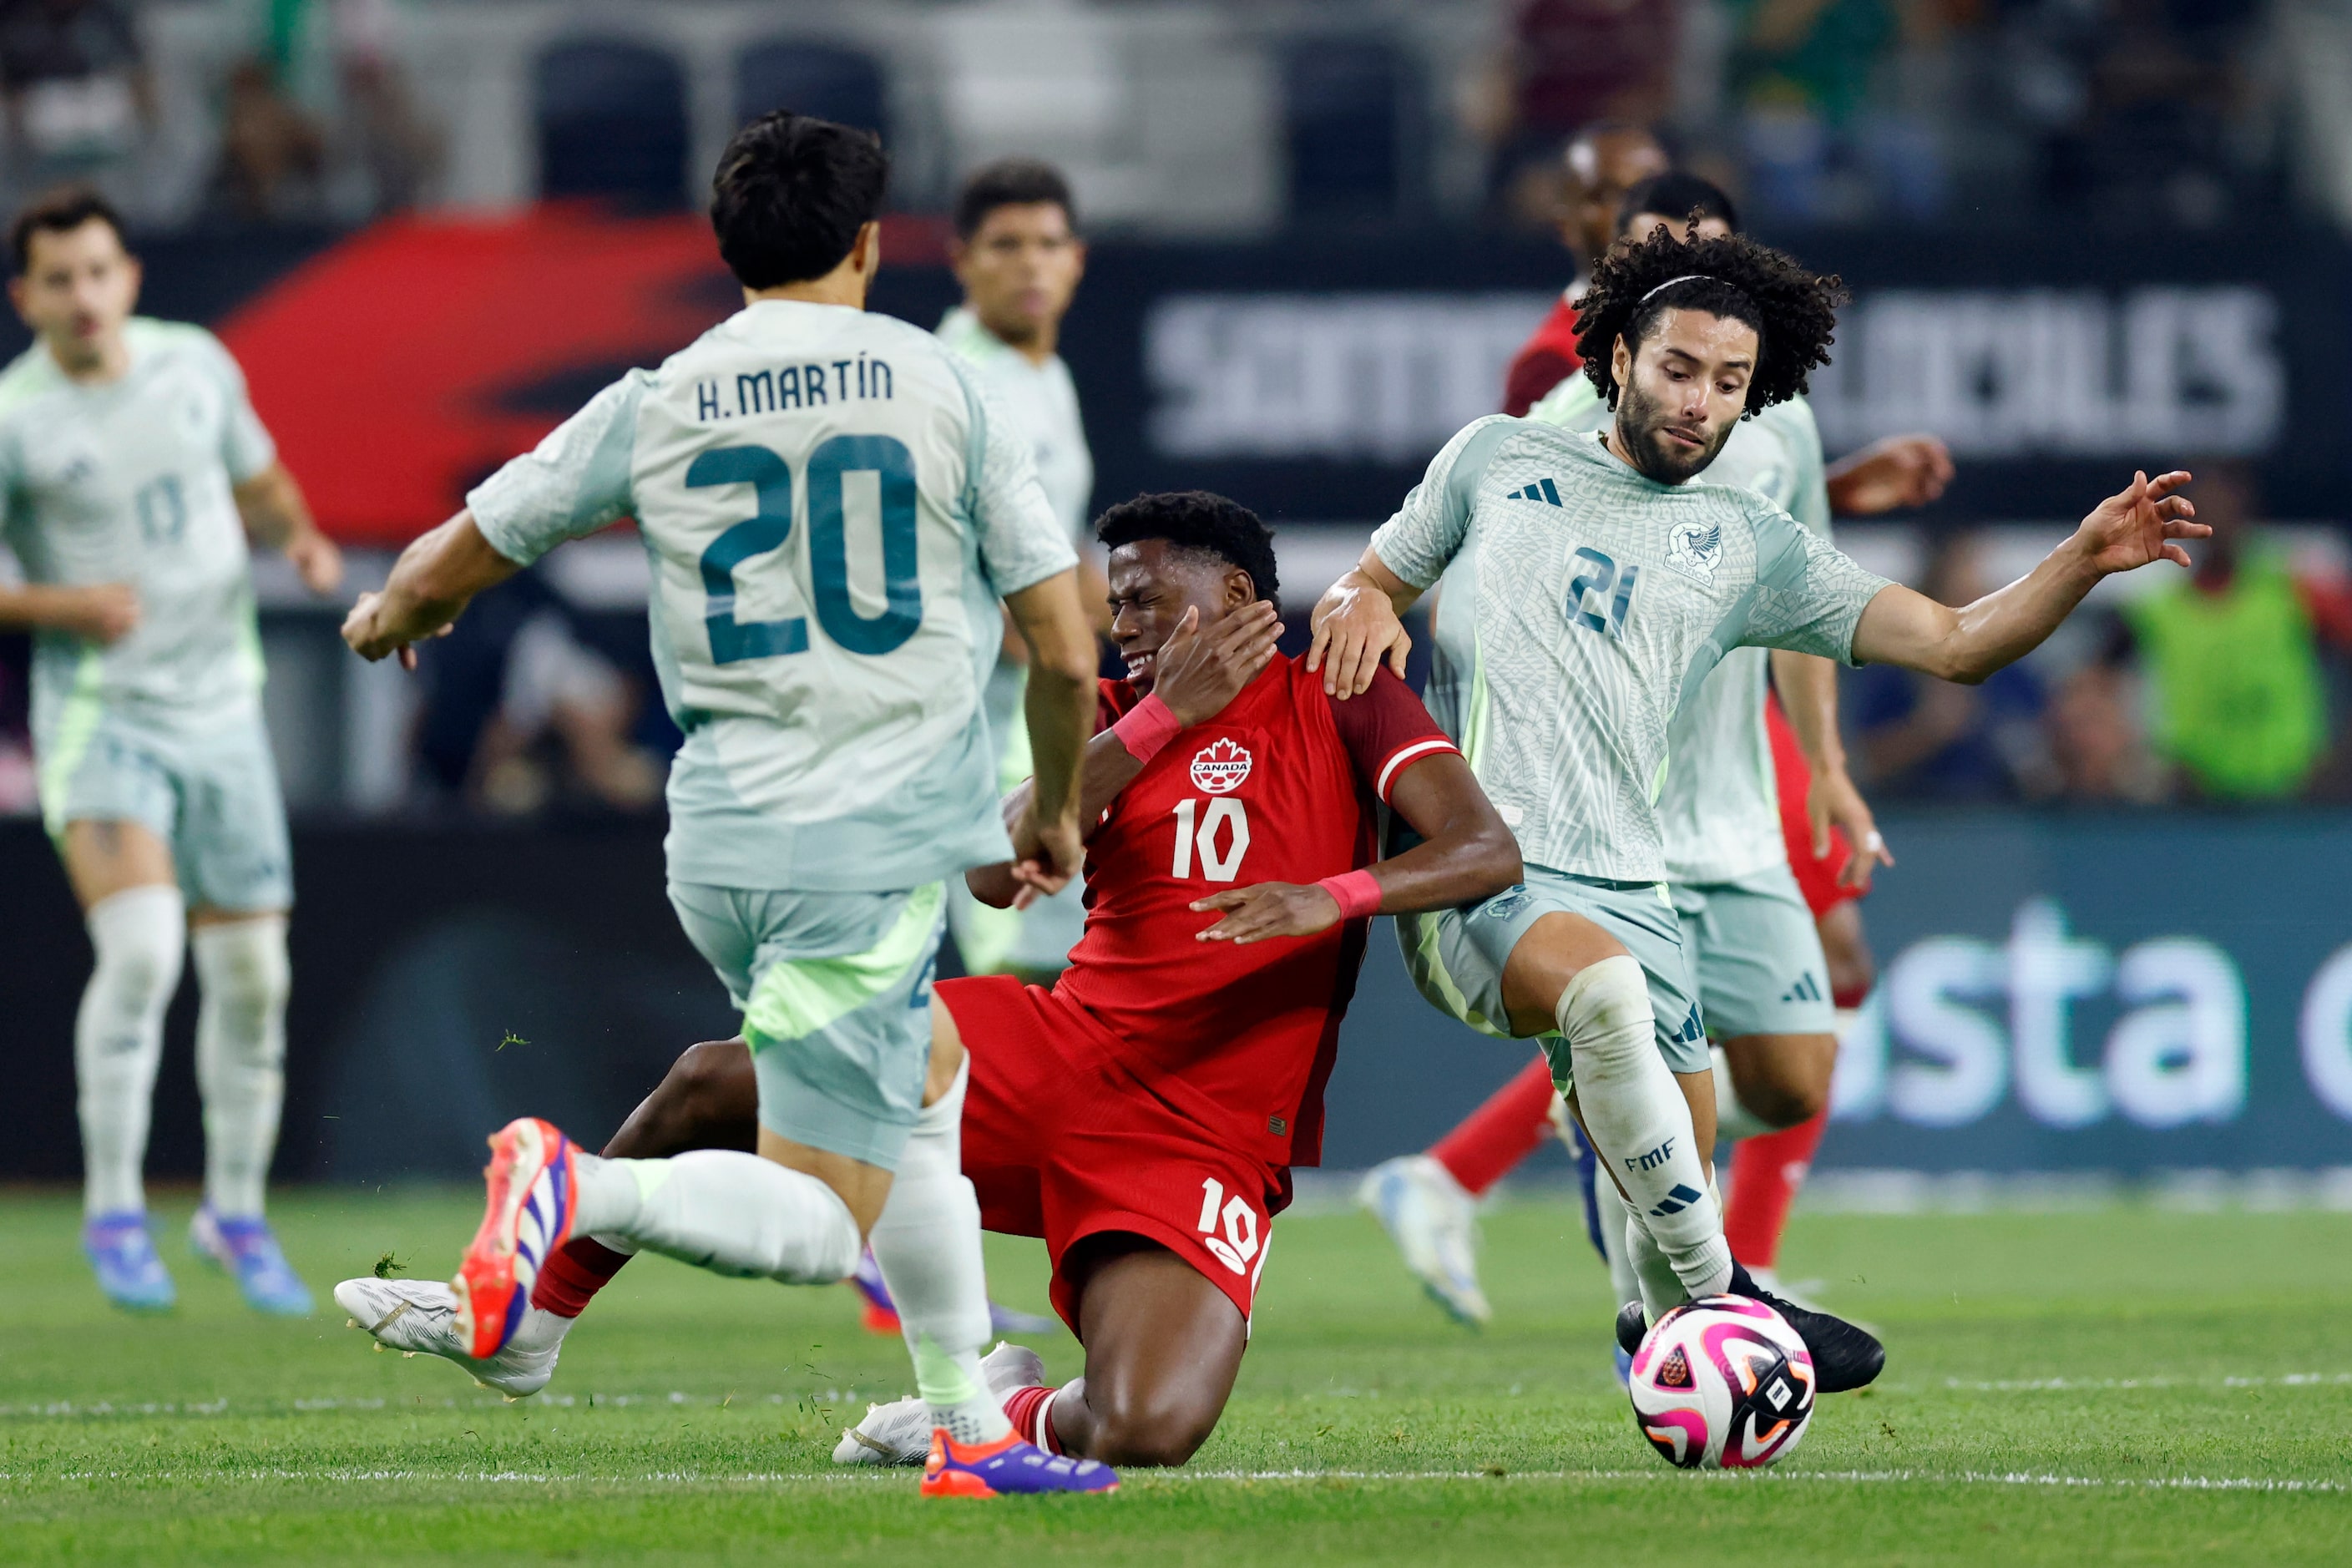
<point x="2232" y="655"/>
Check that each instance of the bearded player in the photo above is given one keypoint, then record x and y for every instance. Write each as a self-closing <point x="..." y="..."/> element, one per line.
<point x="1591" y="583"/>
<point x="1143" y="1115"/>
<point x="1769" y="992"/>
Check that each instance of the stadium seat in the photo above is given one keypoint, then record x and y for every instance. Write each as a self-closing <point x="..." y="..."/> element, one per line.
<point x="828" y="80"/>
<point x="1345" y="102"/>
<point x="612" y="123"/>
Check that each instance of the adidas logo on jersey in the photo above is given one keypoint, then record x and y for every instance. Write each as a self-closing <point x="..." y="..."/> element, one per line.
<point x="1542" y="491"/>
<point x="1806" y="989"/>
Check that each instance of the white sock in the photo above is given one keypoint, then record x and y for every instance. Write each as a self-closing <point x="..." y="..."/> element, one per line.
<point x="1732" y="1120"/>
<point x="723" y="1210"/>
<point x="243" y="978"/>
<point x="1638" y="1120"/>
<point x="138" y="934"/>
<point x="1609" y="1209"/>
<point x="928" y="1243"/>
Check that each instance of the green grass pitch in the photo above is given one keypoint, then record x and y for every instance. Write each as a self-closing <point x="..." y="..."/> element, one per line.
<point x="2123" y="1384"/>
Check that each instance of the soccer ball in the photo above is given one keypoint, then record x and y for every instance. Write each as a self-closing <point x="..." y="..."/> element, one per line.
<point x="1722" y="1382"/>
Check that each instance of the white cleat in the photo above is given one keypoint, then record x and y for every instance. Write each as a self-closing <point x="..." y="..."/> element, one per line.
<point x="1434" y="1225"/>
<point x="899" y="1433"/>
<point x="413" y="1315"/>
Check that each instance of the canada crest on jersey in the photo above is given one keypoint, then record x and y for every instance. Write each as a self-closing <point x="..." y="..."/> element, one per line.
<point x="1695" y="550"/>
<point x="1219" y="767"/>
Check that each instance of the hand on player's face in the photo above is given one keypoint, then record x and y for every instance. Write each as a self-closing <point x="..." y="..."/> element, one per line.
<point x="1200" y="669"/>
<point x="1268" y="909"/>
<point x="1679" y="397"/>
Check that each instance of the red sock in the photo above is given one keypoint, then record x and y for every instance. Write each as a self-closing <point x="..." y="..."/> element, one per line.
<point x="1516" y="1119"/>
<point x="1766" y="1171"/>
<point x="580" y="1268"/>
<point x="1022" y="1408"/>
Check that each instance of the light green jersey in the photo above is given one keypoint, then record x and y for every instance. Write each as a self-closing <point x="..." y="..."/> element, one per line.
<point x="129" y="482"/>
<point x="1720" y="808"/>
<point x="1043" y="404"/>
<point x="832" y="506"/>
<point x="1582" y="603"/>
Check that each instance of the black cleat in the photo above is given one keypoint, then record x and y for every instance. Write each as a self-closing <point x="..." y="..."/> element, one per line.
<point x="1632" y="1324"/>
<point x="1845" y="1357"/>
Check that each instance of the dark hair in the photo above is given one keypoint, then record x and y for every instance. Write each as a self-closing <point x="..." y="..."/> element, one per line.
<point x="790" y="196"/>
<point x="1678" y="194"/>
<point x="1010" y="182"/>
<point x="1202" y="523"/>
<point x="60" y="211"/>
<point x="1793" y="310"/>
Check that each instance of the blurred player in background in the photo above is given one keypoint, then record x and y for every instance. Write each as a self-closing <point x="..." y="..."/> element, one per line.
<point x="1589" y="584"/>
<point x="1767" y="989"/>
<point x="1143" y="1116"/>
<point x="1019" y="258"/>
<point x="135" y="471"/>
<point x="834" y="510"/>
<point x="1601" y="164"/>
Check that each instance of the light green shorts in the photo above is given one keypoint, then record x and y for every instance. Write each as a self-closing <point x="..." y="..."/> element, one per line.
<point x="1456" y="956"/>
<point x="1758" y="956"/>
<point x="1032" y="942"/>
<point x="208" y="790"/>
<point x="835" y="990"/>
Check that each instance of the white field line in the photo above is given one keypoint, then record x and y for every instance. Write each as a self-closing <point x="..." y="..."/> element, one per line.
<point x="862" y="1476"/>
<point x="847" y="1398"/>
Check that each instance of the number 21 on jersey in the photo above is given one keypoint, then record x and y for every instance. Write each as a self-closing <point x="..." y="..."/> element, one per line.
<point x="1200" y="834"/>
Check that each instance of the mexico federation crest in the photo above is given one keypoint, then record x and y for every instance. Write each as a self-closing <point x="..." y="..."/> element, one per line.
<point x="1220" y="766"/>
<point x="1695" y="550"/>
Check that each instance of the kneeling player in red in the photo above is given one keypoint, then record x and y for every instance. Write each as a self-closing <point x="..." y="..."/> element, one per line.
<point x="1143" y="1115"/>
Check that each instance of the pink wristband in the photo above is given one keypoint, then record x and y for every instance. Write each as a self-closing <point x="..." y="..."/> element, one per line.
<point x="1147" y="726"/>
<point x="1358" y="893"/>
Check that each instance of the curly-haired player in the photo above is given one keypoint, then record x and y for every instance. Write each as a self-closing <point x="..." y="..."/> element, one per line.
<point x="1589" y="584"/>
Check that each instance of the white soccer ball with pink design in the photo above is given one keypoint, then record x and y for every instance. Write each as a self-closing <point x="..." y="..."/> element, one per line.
<point x="1722" y="1382"/>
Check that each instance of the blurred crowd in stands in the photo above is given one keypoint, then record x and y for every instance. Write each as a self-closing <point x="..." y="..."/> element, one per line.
<point x="315" y="119"/>
<point x="2132" y="113"/>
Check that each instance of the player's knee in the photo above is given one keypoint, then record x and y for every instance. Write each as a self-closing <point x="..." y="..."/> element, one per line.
<point x="1605" y="1014"/>
<point x="242" y="967"/>
<point x="1163" y="1427"/>
<point x="1789" y="1081"/>
<point x="137" y="937"/>
<point x="709" y="1081"/>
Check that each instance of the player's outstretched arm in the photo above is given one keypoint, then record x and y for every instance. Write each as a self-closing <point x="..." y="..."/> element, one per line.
<point x="1465" y="855"/>
<point x="431" y="584"/>
<point x="1808" y="687"/>
<point x="277" y="514"/>
<point x="2140" y="524"/>
<point x="1358" y="622"/>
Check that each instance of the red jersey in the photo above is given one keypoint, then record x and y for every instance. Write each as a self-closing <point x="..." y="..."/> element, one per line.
<point x="1281" y="786"/>
<point x="1543" y="362"/>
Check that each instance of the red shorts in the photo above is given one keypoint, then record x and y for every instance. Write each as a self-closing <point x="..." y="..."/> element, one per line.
<point x="1063" y="1141"/>
<point x="1817" y="876"/>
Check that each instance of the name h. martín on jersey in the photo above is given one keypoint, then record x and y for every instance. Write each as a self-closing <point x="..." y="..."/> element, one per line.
<point x="864" y="378"/>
